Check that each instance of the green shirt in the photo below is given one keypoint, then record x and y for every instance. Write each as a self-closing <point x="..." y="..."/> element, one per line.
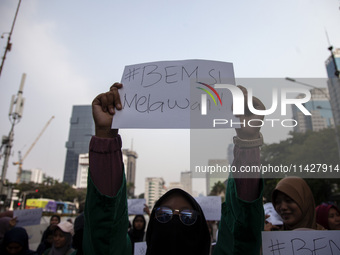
<point x="241" y="224"/>
<point x="107" y="222"/>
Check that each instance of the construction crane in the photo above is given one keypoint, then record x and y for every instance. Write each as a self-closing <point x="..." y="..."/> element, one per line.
<point x="21" y="159"/>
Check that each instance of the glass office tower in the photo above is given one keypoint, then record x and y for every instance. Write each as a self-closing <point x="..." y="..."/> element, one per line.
<point x="81" y="130"/>
<point x="334" y="83"/>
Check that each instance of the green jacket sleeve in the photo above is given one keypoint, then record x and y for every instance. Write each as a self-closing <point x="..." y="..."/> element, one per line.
<point x="106" y="222"/>
<point x="241" y="224"/>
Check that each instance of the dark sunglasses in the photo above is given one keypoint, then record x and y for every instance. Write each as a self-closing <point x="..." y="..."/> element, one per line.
<point x="164" y="214"/>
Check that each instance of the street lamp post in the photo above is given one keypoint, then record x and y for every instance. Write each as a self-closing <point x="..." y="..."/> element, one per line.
<point x="9" y="44"/>
<point x="335" y="127"/>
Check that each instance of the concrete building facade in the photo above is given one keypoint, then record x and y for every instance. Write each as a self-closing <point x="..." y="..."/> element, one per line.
<point x="154" y="189"/>
<point x="333" y="65"/>
<point x="320" y="108"/>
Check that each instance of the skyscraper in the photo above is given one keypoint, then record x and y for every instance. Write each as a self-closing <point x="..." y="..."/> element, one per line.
<point x="332" y="65"/>
<point x="130" y="168"/>
<point x="320" y="108"/>
<point x="81" y="130"/>
<point x="82" y="172"/>
<point x="154" y="189"/>
<point x="186" y="181"/>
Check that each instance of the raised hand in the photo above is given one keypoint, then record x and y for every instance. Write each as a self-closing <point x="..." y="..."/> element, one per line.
<point x="246" y="132"/>
<point x="103" y="108"/>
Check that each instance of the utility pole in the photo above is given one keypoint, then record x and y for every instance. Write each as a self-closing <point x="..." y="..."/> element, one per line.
<point x="9" y="44"/>
<point x="15" y="114"/>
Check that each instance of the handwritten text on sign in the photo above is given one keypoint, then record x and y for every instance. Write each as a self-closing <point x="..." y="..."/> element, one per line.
<point x="168" y="94"/>
<point x="28" y="217"/>
<point x="136" y="206"/>
<point x="211" y="207"/>
<point x="301" y="242"/>
<point x="140" y="248"/>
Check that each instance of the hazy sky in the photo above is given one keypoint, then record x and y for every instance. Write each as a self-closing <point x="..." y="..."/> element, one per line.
<point x="74" y="50"/>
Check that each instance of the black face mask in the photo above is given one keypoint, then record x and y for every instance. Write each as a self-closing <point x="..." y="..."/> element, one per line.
<point x="176" y="238"/>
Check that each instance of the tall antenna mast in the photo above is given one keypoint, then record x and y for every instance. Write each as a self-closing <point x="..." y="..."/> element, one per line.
<point x="9" y="44"/>
<point x="329" y="43"/>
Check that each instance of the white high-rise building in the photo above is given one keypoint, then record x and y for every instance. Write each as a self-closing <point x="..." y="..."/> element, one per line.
<point x="186" y="181"/>
<point x="34" y="175"/>
<point x="175" y="185"/>
<point x="37" y="175"/>
<point x="154" y="189"/>
<point x="83" y="166"/>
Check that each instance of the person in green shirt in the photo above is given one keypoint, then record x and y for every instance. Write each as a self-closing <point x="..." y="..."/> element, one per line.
<point x="177" y="224"/>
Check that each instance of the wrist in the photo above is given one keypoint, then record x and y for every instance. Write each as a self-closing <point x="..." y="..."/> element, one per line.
<point x="106" y="133"/>
<point x="245" y="143"/>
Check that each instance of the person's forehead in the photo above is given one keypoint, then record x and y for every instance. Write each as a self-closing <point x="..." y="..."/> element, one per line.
<point x="176" y="201"/>
<point x="332" y="210"/>
<point x="281" y="194"/>
<point x="13" y="245"/>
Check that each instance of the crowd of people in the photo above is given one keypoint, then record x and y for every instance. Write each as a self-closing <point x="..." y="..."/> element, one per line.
<point x="176" y="224"/>
<point x="59" y="238"/>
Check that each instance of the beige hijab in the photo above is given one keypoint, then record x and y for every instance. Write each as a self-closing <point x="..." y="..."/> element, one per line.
<point x="298" y="190"/>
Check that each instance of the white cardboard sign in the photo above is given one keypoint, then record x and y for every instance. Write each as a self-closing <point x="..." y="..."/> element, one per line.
<point x="301" y="242"/>
<point x="211" y="206"/>
<point x="28" y="217"/>
<point x="274" y="218"/>
<point x="136" y="206"/>
<point x="168" y="94"/>
<point x="140" y="248"/>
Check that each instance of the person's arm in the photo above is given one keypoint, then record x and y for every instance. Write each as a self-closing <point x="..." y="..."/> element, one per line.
<point x="106" y="218"/>
<point x="105" y="147"/>
<point x="247" y="151"/>
<point x="242" y="214"/>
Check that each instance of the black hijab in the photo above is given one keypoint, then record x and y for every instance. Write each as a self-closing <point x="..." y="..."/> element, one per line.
<point x="17" y="235"/>
<point x="174" y="237"/>
<point x="135" y="234"/>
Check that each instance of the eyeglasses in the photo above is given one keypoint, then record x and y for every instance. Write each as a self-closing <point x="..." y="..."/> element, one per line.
<point x="164" y="214"/>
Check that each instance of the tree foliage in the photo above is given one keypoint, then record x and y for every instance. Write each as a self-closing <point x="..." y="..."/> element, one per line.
<point x="304" y="150"/>
<point x="52" y="189"/>
<point x="218" y="190"/>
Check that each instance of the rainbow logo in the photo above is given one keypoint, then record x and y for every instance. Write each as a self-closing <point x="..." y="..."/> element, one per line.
<point x="209" y="93"/>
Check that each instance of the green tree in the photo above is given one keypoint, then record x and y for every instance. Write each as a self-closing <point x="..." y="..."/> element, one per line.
<point x="218" y="190"/>
<point x="304" y="150"/>
<point x="52" y="190"/>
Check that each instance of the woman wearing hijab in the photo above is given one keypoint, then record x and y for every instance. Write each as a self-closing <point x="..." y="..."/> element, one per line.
<point x="47" y="237"/>
<point x="177" y="224"/>
<point x="15" y="242"/>
<point x="328" y="216"/>
<point x="62" y="240"/>
<point x="137" y="232"/>
<point x="6" y="223"/>
<point x="294" y="202"/>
